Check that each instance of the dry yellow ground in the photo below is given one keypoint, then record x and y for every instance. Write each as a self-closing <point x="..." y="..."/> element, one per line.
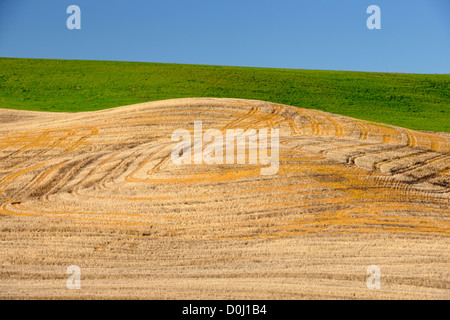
<point x="98" y="190"/>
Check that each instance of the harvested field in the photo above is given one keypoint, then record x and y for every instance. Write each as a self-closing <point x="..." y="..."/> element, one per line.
<point x="99" y="190"/>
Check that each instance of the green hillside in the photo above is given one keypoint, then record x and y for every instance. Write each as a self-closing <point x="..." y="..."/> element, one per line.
<point x="415" y="101"/>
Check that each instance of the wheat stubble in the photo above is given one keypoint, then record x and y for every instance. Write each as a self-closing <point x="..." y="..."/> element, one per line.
<point x="98" y="190"/>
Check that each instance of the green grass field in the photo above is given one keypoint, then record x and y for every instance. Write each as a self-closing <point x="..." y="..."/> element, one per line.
<point x="414" y="101"/>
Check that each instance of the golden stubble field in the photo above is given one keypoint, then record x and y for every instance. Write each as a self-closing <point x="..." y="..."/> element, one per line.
<point x="99" y="190"/>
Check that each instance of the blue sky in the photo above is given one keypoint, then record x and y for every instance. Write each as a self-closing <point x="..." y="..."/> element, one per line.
<point x="315" y="34"/>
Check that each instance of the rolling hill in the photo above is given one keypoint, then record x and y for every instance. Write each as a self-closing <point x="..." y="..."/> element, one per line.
<point x="413" y="101"/>
<point x="98" y="190"/>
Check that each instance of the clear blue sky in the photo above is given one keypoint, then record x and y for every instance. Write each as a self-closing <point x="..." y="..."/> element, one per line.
<point x="314" y="34"/>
